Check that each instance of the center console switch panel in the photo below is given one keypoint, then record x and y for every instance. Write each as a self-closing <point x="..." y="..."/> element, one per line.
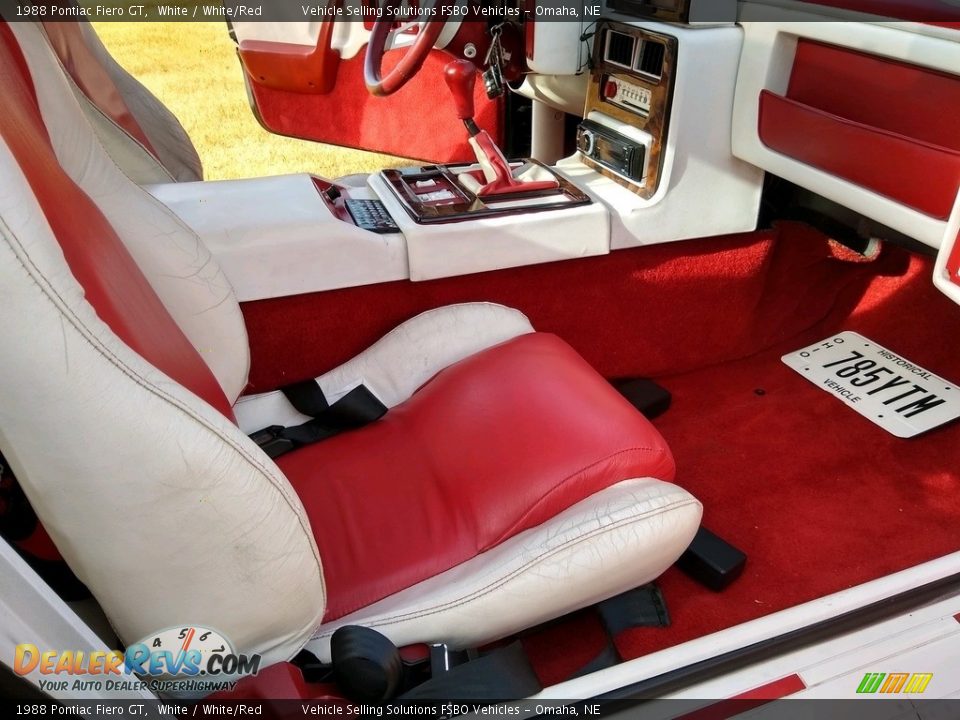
<point x="450" y="231"/>
<point x="371" y="215"/>
<point x="443" y="194"/>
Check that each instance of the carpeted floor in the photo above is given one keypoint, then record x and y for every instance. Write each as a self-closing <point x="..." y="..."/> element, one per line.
<point x="818" y="497"/>
<point x="651" y="311"/>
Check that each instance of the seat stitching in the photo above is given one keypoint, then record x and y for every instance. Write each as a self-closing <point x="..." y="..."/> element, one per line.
<point x="172" y="216"/>
<point x="676" y="505"/>
<point x="75" y="91"/>
<point x="164" y="210"/>
<point x="136" y="143"/>
<point x="512" y="529"/>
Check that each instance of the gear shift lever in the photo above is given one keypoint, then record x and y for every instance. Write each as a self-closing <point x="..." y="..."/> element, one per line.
<point x="461" y="77"/>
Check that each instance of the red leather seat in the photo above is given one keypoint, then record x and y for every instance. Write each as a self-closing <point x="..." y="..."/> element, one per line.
<point x="493" y="445"/>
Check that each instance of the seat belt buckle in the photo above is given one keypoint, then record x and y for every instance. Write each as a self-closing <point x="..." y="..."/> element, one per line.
<point x="270" y="442"/>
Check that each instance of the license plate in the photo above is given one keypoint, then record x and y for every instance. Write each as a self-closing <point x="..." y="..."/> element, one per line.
<point x="887" y="389"/>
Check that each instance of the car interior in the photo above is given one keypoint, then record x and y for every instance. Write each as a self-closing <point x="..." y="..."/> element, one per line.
<point x="550" y="394"/>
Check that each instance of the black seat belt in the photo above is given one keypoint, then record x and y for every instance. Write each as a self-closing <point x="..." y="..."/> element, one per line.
<point x="357" y="408"/>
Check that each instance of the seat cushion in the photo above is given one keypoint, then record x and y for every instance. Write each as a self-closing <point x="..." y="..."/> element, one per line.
<point x="492" y="446"/>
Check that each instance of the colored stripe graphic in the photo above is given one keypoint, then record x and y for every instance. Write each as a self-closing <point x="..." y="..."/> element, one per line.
<point x="894" y="683"/>
<point x="918" y="682"/>
<point x="870" y="683"/>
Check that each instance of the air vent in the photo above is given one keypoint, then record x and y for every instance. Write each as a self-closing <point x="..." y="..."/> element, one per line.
<point x="650" y="61"/>
<point x="620" y="48"/>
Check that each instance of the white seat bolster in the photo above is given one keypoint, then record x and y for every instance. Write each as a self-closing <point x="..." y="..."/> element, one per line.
<point x="395" y="366"/>
<point x="617" y="539"/>
<point x="176" y="263"/>
<point x="135" y="160"/>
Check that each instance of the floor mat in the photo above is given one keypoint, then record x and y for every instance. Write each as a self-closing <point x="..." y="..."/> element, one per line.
<point x="818" y="497"/>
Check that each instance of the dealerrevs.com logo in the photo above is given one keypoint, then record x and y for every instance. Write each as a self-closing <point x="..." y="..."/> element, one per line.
<point x="182" y="659"/>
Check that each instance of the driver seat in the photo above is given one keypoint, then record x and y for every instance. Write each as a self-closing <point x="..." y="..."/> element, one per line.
<point x="507" y="485"/>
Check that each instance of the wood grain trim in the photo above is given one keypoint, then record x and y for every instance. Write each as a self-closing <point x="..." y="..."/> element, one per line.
<point x="656" y="122"/>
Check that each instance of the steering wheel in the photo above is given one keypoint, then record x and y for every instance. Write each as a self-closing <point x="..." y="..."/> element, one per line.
<point x="414" y="56"/>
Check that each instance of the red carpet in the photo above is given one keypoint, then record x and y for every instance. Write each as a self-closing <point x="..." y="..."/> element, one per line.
<point x="818" y="497"/>
<point x="649" y="311"/>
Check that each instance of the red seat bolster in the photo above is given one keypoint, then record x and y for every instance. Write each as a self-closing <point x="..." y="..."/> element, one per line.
<point x="492" y="446"/>
<point x="112" y="282"/>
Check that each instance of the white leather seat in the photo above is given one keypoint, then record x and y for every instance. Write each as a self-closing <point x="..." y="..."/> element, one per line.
<point x="508" y="483"/>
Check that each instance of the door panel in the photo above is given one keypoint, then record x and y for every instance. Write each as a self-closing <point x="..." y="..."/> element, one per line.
<point x="321" y="96"/>
<point x="900" y="97"/>
<point x="419" y="121"/>
<point x="873" y="121"/>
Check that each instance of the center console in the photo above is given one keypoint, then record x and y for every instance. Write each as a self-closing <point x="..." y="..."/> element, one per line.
<point x="492" y="214"/>
<point x="450" y="230"/>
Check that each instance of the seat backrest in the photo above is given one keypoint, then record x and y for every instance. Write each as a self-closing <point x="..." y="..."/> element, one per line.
<point x="139" y="131"/>
<point x="177" y="264"/>
<point x="117" y="429"/>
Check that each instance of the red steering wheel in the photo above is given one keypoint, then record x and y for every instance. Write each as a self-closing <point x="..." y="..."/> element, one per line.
<point x="414" y="56"/>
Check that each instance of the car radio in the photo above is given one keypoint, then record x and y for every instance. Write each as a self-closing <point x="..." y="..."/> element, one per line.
<point x="615" y="151"/>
